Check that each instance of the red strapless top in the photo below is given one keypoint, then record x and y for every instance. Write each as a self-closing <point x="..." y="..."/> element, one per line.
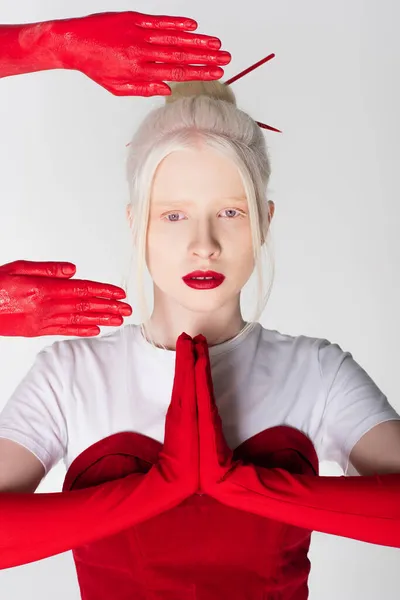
<point x="200" y="550"/>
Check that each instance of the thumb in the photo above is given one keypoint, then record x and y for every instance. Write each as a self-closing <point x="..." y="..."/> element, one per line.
<point x="139" y="88"/>
<point x="39" y="269"/>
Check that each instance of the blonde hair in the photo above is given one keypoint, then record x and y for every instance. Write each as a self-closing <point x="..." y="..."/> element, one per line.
<point x="200" y="112"/>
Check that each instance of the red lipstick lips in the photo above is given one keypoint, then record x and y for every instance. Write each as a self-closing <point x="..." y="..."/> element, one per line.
<point x="193" y="281"/>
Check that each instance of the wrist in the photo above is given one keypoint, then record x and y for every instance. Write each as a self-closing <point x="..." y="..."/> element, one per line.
<point x="27" y="48"/>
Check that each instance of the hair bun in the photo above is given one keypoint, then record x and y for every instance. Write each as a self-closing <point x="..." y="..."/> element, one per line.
<point x="213" y="89"/>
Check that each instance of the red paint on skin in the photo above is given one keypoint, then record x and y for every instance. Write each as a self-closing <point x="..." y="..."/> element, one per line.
<point x="118" y="50"/>
<point x="40" y="298"/>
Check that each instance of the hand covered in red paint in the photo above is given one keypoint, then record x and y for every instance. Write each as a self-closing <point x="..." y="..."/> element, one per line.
<point x="118" y="50"/>
<point x="39" y="298"/>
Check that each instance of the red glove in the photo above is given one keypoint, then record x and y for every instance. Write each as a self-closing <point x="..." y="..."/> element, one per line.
<point x="118" y="51"/>
<point x="36" y="526"/>
<point x="39" y="298"/>
<point x="362" y="508"/>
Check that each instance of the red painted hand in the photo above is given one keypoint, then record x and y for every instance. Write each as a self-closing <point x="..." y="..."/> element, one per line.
<point x="39" y="298"/>
<point x="127" y="53"/>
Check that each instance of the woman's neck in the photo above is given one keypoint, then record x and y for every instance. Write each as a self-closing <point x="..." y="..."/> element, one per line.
<point x="165" y="339"/>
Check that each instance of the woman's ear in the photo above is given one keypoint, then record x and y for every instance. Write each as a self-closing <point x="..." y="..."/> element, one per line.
<point x="271" y="210"/>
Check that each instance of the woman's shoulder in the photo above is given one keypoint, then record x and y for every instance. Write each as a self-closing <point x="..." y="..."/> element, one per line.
<point x="328" y="353"/>
<point x="299" y="340"/>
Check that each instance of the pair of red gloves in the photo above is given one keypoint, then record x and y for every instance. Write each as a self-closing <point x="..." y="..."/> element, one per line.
<point x="195" y="459"/>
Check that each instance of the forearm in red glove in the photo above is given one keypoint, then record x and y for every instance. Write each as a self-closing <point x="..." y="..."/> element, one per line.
<point x="362" y="508"/>
<point x="35" y="526"/>
<point x="118" y="50"/>
<point x="40" y="298"/>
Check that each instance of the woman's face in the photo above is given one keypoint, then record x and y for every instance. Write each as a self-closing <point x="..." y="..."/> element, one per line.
<point x="198" y="220"/>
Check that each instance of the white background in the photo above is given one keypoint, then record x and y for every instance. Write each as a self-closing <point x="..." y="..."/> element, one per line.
<point x="333" y="90"/>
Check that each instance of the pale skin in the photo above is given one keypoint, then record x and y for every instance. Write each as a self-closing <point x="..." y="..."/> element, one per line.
<point x="199" y="219"/>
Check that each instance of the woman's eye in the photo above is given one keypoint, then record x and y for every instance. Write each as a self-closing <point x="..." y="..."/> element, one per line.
<point x="231" y="210"/>
<point x="228" y="210"/>
<point x="171" y="215"/>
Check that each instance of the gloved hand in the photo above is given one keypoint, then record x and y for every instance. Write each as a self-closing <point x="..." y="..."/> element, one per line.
<point x="39" y="298"/>
<point x="362" y="508"/>
<point x="118" y="50"/>
<point x="35" y="526"/>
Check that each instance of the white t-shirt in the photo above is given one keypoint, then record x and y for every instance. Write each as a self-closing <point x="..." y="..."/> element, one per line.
<point x="81" y="390"/>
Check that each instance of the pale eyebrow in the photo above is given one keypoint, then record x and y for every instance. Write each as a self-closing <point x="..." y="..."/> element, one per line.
<point x="191" y="203"/>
